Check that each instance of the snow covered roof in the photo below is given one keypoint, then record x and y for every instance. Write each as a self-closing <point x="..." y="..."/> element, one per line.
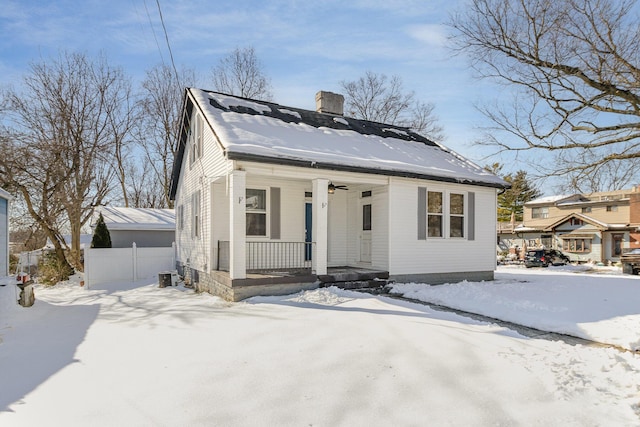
<point x="270" y="133"/>
<point x="117" y="218"/>
<point x="549" y="199"/>
<point x="600" y="224"/>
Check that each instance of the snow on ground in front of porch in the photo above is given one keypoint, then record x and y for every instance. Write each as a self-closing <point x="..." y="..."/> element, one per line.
<point x="137" y="354"/>
<point x="602" y="306"/>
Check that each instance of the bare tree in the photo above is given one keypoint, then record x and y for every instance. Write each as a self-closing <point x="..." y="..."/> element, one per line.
<point x="144" y="188"/>
<point x="377" y="98"/>
<point x="591" y="175"/>
<point x="157" y="128"/>
<point x="573" y="65"/>
<point x="121" y="121"/>
<point x="61" y="132"/>
<point x="241" y="73"/>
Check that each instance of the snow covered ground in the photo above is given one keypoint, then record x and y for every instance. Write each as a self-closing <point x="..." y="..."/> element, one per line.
<point x="138" y="354"/>
<point x="595" y="303"/>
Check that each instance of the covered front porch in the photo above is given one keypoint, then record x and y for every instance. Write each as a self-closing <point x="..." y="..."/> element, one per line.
<point x="262" y="222"/>
<point x="278" y="231"/>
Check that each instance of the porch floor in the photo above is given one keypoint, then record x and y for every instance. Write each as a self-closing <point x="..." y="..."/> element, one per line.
<point x="289" y="282"/>
<point x="334" y="275"/>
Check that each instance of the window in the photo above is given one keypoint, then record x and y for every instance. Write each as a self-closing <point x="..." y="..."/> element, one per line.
<point x="456" y="215"/>
<point x="195" y="214"/>
<point x="612" y="208"/>
<point x="540" y="213"/>
<point x="576" y="245"/>
<point x="586" y="209"/>
<point x="434" y="214"/>
<point x="180" y="215"/>
<point x="445" y="214"/>
<point x="366" y="217"/>
<point x="576" y="221"/>
<point x="195" y="138"/>
<point x="256" y="205"/>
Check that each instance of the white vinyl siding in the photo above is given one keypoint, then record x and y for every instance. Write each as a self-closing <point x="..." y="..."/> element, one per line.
<point x="198" y="252"/>
<point x="408" y="254"/>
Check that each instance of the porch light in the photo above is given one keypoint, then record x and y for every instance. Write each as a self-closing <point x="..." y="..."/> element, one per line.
<point x="331" y="188"/>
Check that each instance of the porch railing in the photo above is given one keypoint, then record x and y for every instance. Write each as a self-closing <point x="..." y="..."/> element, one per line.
<point x="270" y="256"/>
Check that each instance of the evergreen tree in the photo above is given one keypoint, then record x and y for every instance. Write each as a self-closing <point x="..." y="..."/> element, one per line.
<point x="101" y="237"/>
<point x="512" y="200"/>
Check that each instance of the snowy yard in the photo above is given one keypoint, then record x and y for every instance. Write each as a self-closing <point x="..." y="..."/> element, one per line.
<point x="138" y="354"/>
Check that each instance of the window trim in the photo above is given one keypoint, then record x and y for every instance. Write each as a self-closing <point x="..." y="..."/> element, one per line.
<point x="194" y="138"/>
<point x="196" y="214"/>
<point x="446" y="215"/>
<point x="180" y="217"/>
<point x="367" y="217"/>
<point x="585" y="245"/>
<point x="265" y="212"/>
<point x="463" y="215"/>
<point x="543" y="212"/>
<point x="440" y="214"/>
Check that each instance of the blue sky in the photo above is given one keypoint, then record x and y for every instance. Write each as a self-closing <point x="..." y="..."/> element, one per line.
<point x="303" y="46"/>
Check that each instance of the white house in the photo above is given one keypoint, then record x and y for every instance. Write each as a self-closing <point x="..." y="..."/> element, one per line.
<point x="5" y="199"/>
<point x="147" y="227"/>
<point x="264" y="188"/>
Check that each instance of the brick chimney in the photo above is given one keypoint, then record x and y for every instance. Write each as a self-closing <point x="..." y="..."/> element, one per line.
<point x="329" y="102"/>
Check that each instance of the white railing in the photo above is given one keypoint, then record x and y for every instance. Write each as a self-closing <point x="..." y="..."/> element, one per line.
<point x="270" y="256"/>
<point x="113" y="265"/>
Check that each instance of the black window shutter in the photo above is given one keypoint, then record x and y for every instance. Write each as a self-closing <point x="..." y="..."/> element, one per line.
<point x="471" y="202"/>
<point x="275" y="213"/>
<point x="422" y="213"/>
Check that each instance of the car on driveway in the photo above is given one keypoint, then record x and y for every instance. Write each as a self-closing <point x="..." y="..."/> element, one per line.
<point x="544" y="258"/>
<point x="631" y="262"/>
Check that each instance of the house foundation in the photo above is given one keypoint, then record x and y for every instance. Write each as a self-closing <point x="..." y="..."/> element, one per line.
<point x="220" y="284"/>
<point x="442" y="278"/>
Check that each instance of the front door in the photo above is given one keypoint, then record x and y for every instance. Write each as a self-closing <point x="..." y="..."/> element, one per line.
<point x="616" y="245"/>
<point x="365" y="234"/>
<point x="308" y="227"/>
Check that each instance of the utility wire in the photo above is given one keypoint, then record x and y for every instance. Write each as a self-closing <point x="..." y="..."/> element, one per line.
<point x="153" y="30"/>
<point x="166" y="36"/>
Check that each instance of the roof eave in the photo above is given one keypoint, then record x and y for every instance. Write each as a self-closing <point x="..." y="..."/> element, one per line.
<point x="347" y="168"/>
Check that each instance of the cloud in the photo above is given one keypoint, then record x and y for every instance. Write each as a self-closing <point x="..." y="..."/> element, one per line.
<point x="433" y="35"/>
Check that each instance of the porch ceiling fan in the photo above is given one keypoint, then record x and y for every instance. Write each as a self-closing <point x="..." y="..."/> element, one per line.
<point x="332" y="188"/>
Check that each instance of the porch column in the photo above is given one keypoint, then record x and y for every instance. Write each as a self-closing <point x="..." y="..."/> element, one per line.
<point x="320" y="225"/>
<point x="237" y="225"/>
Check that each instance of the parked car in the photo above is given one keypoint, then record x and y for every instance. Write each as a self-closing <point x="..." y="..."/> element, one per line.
<point x="631" y="262"/>
<point x="544" y="258"/>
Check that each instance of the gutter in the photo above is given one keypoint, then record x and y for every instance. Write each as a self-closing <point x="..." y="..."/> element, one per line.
<point x="358" y="169"/>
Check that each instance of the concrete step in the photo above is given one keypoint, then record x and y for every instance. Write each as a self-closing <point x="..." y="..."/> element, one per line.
<point x="373" y="285"/>
<point x="353" y="275"/>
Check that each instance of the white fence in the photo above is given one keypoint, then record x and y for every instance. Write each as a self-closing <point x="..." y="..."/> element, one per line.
<point x="114" y="265"/>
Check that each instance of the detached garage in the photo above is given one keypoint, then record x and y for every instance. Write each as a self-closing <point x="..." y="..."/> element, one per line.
<point x="147" y="227"/>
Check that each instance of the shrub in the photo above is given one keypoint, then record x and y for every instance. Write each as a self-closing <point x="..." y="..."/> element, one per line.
<point x="51" y="270"/>
<point x="13" y="262"/>
<point x="101" y="236"/>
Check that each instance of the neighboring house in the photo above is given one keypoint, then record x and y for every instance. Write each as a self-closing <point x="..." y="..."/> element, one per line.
<point x="596" y="227"/>
<point x="260" y="187"/>
<point x="5" y="203"/>
<point x="146" y="227"/>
